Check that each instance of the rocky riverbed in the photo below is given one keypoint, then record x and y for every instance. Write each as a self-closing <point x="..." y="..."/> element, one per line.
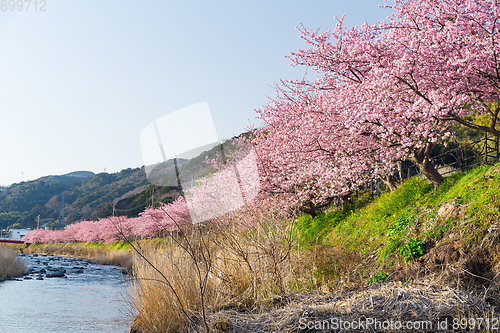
<point x="41" y="267"/>
<point x="63" y="294"/>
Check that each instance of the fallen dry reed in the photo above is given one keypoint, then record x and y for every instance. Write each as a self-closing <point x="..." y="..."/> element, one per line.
<point x="422" y="305"/>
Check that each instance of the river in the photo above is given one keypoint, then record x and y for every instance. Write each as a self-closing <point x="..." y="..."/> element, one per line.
<point x="88" y="298"/>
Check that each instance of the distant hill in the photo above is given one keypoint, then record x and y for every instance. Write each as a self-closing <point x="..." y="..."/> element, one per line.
<point x="72" y="177"/>
<point x="92" y="196"/>
<point x="86" y="196"/>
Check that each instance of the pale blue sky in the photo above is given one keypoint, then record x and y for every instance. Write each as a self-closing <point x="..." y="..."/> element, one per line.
<point x="80" y="81"/>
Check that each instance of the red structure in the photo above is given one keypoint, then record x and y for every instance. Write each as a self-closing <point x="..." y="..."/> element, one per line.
<point x="11" y="241"/>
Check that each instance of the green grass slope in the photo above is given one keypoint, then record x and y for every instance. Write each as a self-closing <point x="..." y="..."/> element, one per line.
<point x="414" y="230"/>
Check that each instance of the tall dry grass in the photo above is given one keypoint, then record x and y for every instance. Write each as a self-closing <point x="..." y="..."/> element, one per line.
<point x="10" y="264"/>
<point x="166" y="294"/>
<point x="122" y="258"/>
<point x="178" y="286"/>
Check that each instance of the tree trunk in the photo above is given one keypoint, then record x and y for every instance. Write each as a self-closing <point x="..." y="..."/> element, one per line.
<point x="346" y="199"/>
<point x="308" y="208"/>
<point x="389" y="181"/>
<point x="421" y="158"/>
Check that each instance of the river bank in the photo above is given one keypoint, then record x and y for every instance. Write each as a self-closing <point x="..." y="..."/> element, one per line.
<point x="428" y="301"/>
<point x="414" y="255"/>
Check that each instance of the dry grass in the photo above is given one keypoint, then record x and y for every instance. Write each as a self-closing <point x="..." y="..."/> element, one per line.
<point x="252" y="285"/>
<point x="158" y="310"/>
<point x="121" y="258"/>
<point x="10" y="264"/>
<point x="217" y="267"/>
<point x="164" y="302"/>
<point x="424" y="303"/>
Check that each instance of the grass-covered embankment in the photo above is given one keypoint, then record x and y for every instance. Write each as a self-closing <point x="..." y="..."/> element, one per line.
<point x="434" y="253"/>
<point x="10" y="264"/>
<point x="450" y="229"/>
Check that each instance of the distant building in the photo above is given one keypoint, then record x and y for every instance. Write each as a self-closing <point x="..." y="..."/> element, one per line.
<point x="18" y="234"/>
<point x="4" y="234"/>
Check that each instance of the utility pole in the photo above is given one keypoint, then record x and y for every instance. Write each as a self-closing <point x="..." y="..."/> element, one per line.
<point x="153" y="197"/>
<point x="178" y="176"/>
<point x="38" y="222"/>
<point x="62" y="211"/>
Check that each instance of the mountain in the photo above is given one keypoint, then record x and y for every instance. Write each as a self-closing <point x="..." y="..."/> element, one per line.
<point x="72" y="177"/>
<point x="92" y="196"/>
<point x="86" y="196"/>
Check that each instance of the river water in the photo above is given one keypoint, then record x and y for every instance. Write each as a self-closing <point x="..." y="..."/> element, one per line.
<point x="88" y="298"/>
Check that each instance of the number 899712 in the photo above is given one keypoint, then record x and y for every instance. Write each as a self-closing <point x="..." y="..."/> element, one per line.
<point x="23" y="5"/>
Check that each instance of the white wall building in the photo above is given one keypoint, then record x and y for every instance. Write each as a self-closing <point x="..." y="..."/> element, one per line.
<point x="18" y="234"/>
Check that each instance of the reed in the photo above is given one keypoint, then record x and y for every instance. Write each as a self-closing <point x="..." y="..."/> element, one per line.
<point x="179" y="285"/>
<point x="10" y="264"/>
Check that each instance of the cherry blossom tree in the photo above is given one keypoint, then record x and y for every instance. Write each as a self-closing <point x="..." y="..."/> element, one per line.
<point x="150" y="223"/>
<point x="432" y="62"/>
<point x="448" y="54"/>
<point x="307" y="153"/>
<point x="362" y="68"/>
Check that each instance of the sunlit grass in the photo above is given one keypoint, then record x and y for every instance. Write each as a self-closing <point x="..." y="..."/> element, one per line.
<point x="385" y="225"/>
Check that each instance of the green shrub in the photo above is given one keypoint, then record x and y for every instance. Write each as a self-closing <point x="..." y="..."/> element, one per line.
<point x="414" y="249"/>
<point x="379" y="277"/>
<point x="400" y="224"/>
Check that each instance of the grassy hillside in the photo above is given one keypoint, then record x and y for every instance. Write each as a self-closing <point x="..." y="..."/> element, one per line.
<point x="413" y="231"/>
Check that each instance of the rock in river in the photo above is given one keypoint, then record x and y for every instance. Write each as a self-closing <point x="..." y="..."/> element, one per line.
<point x="55" y="274"/>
